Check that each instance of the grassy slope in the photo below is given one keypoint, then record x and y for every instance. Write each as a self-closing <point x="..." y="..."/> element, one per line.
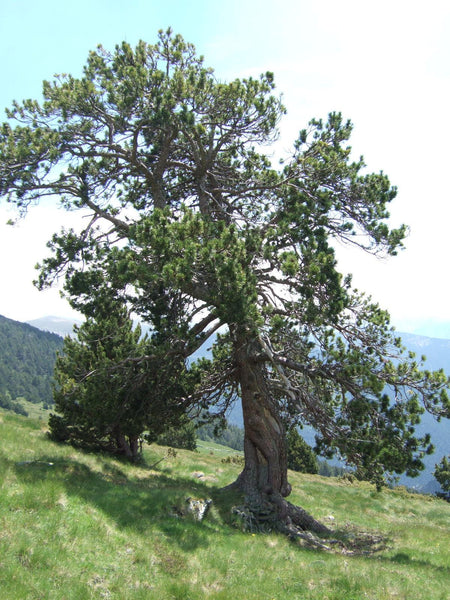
<point x="89" y="526"/>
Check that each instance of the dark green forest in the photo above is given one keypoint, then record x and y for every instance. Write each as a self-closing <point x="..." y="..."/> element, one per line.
<point x="27" y="357"/>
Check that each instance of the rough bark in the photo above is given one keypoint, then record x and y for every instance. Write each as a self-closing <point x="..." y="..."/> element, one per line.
<point x="264" y="444"/>
<point x="128" y="447"/>
<point x="264" y="479"/>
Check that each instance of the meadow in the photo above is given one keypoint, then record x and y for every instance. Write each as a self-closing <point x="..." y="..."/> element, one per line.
<point x="78" y="525"/>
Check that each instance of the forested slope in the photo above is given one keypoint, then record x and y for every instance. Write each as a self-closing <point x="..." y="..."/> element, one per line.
<point x="27" y="357"/>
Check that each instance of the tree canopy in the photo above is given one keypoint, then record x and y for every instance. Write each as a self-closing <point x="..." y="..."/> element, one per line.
<point x="173" y="167"/>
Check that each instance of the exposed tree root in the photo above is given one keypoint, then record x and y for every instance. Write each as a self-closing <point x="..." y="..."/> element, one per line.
<point x="266" y="514"/>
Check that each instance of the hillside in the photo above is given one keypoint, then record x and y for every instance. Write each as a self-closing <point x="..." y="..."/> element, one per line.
<point x="20" y="340"/>
<point x="78" y="526"/>
<point x="27" y="357"/>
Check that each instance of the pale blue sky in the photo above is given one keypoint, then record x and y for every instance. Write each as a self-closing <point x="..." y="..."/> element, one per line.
<point x="385" y="64"/>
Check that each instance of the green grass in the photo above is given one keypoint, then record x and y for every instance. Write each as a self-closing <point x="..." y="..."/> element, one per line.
<point x="75" y="525"/>
<point x="35" y="411"/>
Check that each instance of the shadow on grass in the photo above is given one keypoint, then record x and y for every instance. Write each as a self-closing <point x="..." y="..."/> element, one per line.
<point x="146" y="503"/>
<point x="355" y="542"/>
<point x="137" y="503"/>
<point x="401" y="558"/>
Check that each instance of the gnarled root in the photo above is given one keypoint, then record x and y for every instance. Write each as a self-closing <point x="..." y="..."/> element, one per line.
<point x="266" y="513"/>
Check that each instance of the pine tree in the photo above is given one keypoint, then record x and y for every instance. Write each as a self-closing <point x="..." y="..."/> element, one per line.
<point x="442" y="473"/>
<point x="115" y="386"/>
<point x="300" y="456"/>
<point x="170" y="164"/>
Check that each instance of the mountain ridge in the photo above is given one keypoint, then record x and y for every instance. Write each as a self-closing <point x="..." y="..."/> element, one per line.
<point x="61" y="326"/>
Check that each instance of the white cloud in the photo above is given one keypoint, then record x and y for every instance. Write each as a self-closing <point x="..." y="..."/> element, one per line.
<point x="22" y="246"/>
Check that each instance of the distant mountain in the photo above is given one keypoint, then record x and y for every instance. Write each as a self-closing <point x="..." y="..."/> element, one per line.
<point x="57" y="325"/>
<point x="27" y="357"/>
<point x="436" y="350"/>
<point x="431" y="328"/>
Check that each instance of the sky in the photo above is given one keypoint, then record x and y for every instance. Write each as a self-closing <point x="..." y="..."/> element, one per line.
<point x="384" y="64"/>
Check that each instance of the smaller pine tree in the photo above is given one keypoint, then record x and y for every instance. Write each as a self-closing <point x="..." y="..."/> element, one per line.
<point x="113" y="384"/>
<point x="442" y="473"/>
<point x="300" y="455"/>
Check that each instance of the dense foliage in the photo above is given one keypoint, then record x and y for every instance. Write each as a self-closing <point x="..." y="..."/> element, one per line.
<point x="300" y="455"/>
<point x="27" y="356"/>
<point x="112" y="384"/>
<point x="183" y="435"/>
<point x="9" y="404"/>
<point x="442" y="473"/>
<point x="171" y="167"/>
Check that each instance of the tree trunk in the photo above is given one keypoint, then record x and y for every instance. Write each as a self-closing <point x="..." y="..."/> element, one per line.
<point x="265" y="440"/>
<point x="129" y="447"/>
<point x="134" y="446"/>
<point x="264" y="477"/>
